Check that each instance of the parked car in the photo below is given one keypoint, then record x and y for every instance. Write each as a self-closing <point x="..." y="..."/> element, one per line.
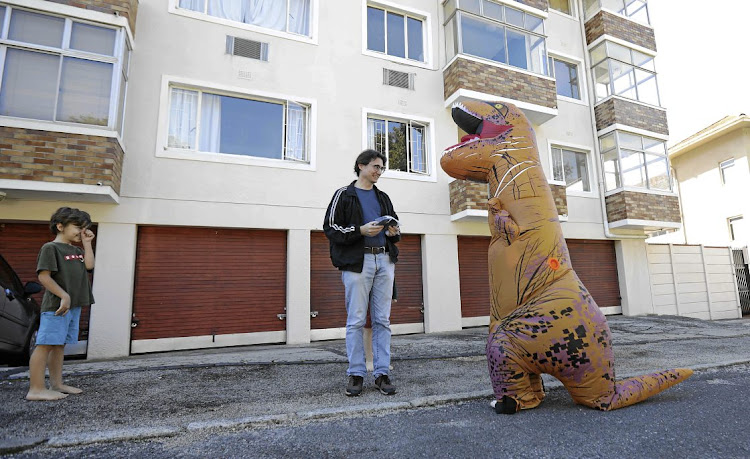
<point x="19" y="316"/>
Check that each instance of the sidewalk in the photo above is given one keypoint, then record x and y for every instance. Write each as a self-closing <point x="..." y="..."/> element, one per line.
<point x="182" y="392"/>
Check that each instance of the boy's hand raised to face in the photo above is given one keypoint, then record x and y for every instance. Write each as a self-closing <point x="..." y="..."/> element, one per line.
<point x="87" y="235"/>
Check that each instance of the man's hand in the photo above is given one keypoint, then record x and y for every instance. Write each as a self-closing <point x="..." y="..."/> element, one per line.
<point x="64" y="305"/>
<point x="87" y="236"/>
<point x="393" y="231"/>
<point x="370" y="229"/>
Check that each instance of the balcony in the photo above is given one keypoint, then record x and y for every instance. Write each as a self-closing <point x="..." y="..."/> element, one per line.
<point x="619" y="111"/>
<point x="469" y="78"/>
<point x="642" y="212"/>
<point x="605" y="23"/>
<point x="43" y="165"/>
<point x="468" y="200"/>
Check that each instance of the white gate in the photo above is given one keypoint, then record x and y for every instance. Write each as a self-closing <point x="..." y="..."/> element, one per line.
<point x="693" y="281"/>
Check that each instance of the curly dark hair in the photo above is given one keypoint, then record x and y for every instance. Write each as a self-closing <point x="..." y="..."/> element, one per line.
<point x="67" y="216"/>
<point x="365" y="157"/>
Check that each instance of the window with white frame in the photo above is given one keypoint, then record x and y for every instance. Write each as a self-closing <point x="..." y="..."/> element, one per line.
<point x="562" y="6"/>
<point x="632" y="160"/>
<point x="728" y="171"/>
<point x="395" y="33"/>
<point x="497" y="32"/>
<point x="637" y="10"/>
<point x="291" y="16"/>
<point x="403" y="142"/>
<point x="621" y="71"/>
<point x="566" y="78"/>
<point x="210" y="122"/>
<point x="571" y="167"/>
<point x="61" y="69"/>
<point x="737" y="229"/>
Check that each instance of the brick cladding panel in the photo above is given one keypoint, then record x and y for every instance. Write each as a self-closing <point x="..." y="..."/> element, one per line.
<point x="466" y="195"/>
<point x="617" y="26"/>
<point x="498" y="81"/>
<point x="125" y="8"/>
<point x="45" y="156"/>
<point x="630" y="114"/>
<point x="560" y="195"/>
<point x="642" y="206"/>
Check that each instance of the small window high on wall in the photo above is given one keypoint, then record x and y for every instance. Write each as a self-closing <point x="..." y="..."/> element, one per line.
<point x="291" y="16"/>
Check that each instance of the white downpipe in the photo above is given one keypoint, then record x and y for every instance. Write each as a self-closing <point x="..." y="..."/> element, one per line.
<point x="597" y="153"/>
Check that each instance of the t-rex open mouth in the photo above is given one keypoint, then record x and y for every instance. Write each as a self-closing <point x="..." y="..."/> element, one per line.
<point x="475" y="125"/>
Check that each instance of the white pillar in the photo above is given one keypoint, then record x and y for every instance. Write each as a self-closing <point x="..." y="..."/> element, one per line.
<point x="298" y="287"/>
<point x="442" y="300"/>
<point x="109" y="324"/>
<point x="632" y="271"/>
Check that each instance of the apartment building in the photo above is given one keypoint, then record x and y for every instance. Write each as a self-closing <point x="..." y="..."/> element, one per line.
<point x="207" y="145"/>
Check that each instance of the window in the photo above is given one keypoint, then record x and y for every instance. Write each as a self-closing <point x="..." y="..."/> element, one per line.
<point x="728" y="171"/>
<point x="632" y="160"/>
<point x="572" y="168"/>
<point x="566" y="78"/>
<point x="496" y="32"/>
<point x="637" y="10"/>
<point x="62" y="70"/>
<point x="562" y="6"/>
<point x="737" y="229"/>
<point x="218" y="123"/>
<point x="625" y="72"/>
<point x="402" y="142"/>
<point x="292" y="16"/>
<point x="395" y="34"/>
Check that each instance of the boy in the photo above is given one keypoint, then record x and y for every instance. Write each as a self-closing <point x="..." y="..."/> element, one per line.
<point x="62" y="270"/>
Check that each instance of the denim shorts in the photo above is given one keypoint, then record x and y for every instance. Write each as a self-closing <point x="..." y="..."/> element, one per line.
<point x="58" y="330"/>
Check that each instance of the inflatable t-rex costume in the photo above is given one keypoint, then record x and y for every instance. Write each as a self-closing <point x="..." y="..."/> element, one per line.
<point x="542" y="318"/>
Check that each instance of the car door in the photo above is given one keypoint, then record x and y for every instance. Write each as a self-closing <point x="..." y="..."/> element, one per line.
<point x="16" y="313"/>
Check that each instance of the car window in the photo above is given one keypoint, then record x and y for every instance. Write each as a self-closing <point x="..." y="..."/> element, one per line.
<point x="8" y="278"/>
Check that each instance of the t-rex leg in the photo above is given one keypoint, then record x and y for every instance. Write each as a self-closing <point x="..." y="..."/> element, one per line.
<point x="515" y="388"/>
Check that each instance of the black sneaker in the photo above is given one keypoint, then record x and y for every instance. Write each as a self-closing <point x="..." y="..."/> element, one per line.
<point x="383" y="383"/>
<point x="354" y="387"/>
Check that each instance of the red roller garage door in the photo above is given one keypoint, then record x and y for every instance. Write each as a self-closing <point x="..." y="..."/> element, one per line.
<point x="327" y="290"/>
<point x="473" y="275"/>
<point x="208" y="281"/>
<point x="596" y="265"/>
<point x="20" y="244"/>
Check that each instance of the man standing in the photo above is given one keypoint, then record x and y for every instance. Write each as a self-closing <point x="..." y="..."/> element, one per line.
<point x="366" y="252"/>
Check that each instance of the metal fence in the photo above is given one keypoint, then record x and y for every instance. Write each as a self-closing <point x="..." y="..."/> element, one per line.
<point x="743" y="279"/>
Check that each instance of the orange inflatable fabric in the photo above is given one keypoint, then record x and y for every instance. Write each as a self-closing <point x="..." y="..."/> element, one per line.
<point x="542" y="318"/>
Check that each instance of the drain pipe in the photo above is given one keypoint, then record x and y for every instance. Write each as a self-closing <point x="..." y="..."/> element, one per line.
<point x="597" y="159"/>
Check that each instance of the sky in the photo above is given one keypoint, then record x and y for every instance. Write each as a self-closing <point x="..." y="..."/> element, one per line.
<point x="702" y="65"/>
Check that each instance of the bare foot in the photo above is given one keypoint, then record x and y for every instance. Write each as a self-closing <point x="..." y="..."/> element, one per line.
<point x="45" y="395"/>
<point x="67" y="389"/>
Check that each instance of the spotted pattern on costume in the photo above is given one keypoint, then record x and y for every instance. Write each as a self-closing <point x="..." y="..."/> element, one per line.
<point x="542" y="318"/>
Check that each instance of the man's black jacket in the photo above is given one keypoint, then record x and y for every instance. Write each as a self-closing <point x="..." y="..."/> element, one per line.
<point x="341" y="226"/>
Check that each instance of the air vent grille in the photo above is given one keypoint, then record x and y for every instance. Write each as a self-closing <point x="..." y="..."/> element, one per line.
<point x="247" y="48"/>
<point x="398" y="79"/>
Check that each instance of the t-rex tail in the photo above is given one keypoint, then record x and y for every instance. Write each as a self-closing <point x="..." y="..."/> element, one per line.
<point x="638" y="388"/>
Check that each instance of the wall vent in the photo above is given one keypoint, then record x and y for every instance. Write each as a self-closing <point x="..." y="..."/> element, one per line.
<point x="247" y="48"/>
<point x="398" y="79"/>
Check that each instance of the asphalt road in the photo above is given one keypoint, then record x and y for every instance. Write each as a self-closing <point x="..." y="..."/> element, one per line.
<point x="707" y="416"/>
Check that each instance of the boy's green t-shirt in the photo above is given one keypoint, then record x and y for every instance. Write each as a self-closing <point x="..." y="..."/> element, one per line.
<point x="66" y="266"/>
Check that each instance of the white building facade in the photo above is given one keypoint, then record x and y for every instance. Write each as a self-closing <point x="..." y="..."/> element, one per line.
<point x="207" y="145"/>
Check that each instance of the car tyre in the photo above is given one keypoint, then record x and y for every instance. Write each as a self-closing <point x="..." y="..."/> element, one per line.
<point x="22" y="359"/>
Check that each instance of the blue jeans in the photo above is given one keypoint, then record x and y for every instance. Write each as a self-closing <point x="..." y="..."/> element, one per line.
<point x="373" y="287"/>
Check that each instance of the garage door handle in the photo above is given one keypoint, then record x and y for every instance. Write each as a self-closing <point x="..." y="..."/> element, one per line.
<point x="281" y="316"/>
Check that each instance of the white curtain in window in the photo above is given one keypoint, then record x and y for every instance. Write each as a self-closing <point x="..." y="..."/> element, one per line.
<point x="376" y="134"/>
<point x="234" y="10"/>
<point x="210" y="135"/>
<point x="295" y="132"/>
<point x="183" y="111"/>
<point x="299" y="16"/>
<point x="195" y="5"/>
<point x="266" y="13"/>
